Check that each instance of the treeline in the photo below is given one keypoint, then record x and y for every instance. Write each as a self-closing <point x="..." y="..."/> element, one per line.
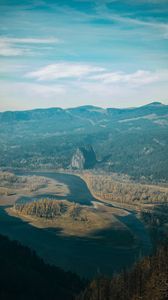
<point x="125" y="192"/>
<point x="156" y="217"/>
<point x="9" y="180"/>
<point x="49" y="209"/>
<point x="156" y="221"/>
<point x="147" y="280"/>
<point x="25" y="276"/>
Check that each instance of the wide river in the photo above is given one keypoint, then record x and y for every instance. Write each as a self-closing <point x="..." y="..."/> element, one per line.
<point x="86" y="256"/>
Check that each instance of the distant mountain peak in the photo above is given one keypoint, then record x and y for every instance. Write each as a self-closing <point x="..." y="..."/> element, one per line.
<point x="155" y="103"/>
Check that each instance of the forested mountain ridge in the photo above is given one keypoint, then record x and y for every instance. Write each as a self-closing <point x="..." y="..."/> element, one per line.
<point x="94" y="112"/>
<point x="133" y="141"/>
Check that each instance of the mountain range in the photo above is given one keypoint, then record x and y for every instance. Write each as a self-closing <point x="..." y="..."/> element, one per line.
<point x="132" y="141"/>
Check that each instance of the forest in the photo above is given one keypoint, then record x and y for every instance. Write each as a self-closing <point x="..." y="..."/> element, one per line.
<point x="23" y="275"/>
<point x="125" y="191"/>
<point x="49" y="209"/>
<point x="156" y="221"/>
<point x="126" y="141"/>
<point x="148" y="279"/>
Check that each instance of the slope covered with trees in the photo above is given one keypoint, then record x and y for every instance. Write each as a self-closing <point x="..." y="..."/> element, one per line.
<point x="130" y="141"/>
<point x="23" y="276"/>
<point x="147" y="280"/>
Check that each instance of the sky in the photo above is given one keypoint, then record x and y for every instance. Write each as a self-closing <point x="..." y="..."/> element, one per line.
<point x="67" y="53"/>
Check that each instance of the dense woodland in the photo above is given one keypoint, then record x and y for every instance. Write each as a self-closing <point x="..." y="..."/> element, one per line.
<point x="24" y="276"/>
<point x="49" y="209"/>
<point x="156" y="221"/>
<point x="127" y="141"/>
<point x="147" y="280"/>
<point x="151" y="202"/>
<point x="107" y="188"/>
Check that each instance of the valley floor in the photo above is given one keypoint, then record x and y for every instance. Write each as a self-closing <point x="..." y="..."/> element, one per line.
<point x="114" y="239"/>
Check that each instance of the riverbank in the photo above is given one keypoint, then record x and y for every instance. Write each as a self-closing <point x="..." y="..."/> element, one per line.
<point x="109" y="252"/>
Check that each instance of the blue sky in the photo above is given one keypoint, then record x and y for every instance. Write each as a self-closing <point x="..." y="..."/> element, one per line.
<point x="64" y="53"/>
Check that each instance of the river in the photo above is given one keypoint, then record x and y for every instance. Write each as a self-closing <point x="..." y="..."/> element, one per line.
<point x="85" y="256"/>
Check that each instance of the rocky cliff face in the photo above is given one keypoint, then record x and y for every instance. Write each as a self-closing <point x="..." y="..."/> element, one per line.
<point x="84" y="158"/>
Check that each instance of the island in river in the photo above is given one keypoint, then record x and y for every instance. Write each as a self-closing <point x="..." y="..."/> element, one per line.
<point x="108" y="239"/>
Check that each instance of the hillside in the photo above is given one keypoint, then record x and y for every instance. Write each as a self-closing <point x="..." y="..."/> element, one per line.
<point x="23" y="275"/>
<point x="133" y="141"/>
<point x="147" y="280"/>
<point x="31" y="278"/>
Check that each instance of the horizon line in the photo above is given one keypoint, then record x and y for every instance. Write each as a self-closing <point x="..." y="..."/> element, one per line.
<point x="87" y="105"/>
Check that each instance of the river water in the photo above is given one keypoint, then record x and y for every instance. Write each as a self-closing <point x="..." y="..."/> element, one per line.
<point x="87" y="256"/>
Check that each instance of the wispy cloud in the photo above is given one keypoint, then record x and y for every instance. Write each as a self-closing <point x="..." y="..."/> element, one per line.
<point x="30" y="40"/>
<point x="7" y="49"/>
<point x="136" y="17"/>
<point x="140" y="77"/>
<point x="63" y="70"/>
<point x="90" y="73"/>
<point x="12" y="46"/>
<point x="106" y="52"/>
<point x="46" y="91"/>
<point x="135" y="22"/>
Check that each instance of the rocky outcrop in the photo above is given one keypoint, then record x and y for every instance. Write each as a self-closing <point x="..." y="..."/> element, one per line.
<point x="84" y="158"/>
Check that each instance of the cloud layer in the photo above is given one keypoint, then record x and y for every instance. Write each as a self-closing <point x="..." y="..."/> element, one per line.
<point x="69" y="53"/>
<point x="63" y="70"/>
<point x="85" y="72"/>
<point x="12" y="46"/>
